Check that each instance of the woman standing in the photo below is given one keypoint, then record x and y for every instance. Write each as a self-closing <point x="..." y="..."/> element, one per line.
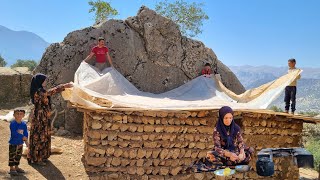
<point x="40" y="131"/>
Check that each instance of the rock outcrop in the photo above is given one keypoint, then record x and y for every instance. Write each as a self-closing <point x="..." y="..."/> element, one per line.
<point x="147" y="49"/>
<point x="15" y="86"/>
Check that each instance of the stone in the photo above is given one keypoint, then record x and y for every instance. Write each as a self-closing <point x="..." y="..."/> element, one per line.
<point x="100" y="151"/>
<point x="110" y="151"/>
<point x="203" y="121"/>
<point x="140" y="129"/>
<point x="132" y="170"/>
<point x="150" y="144"/>
<point x="148" y="128"/>
<point x="175" y="153"/>
<point x="194" y="114"/>
<point x="159" y="129"/>
<point x="96" y="125"/>
<point x="94" y="134"/>
<point x="199" y="176"/>
<point x="124" y="127"/>
<point x="148" y="154"/>
<point x="103" y="136"/>
<point x="125" y="119"/>
<point x="93" y="161"/>
<point x="162" y="114"/>
<point x="94" y="142"/>
<point x="132" y="153"/>
<point x="106" y="126"/>
<point x="113" y="176"/>
<point x="140" y="162"/>
<point x="201" y="145"/>
<point x="117" y="118"/>
<point x="124" y="162"/>
<point x="150" y="113"/>
<point x="188" y="153"/>
<point x="164" y="171"/>
<point x="118" y="152"/>
<point x="115" y="161"/>
<point x="164" y="153"/>
<point x="140" y="171"/>
<point x="156" y="162"/>
<point x="145" y="137"/>
<point x="202" y="113"/>
<point x="155" y="153"/>
<point x="136" y="138"/>
<point x="169" y="129"/>
<point x="152" y="137"/>
<point x="123" y="144"/>
<point x="115" y="127"/>
<point x="141" y="153"/>
<point x="175" y="171"/>
<point x="133" y="128"/>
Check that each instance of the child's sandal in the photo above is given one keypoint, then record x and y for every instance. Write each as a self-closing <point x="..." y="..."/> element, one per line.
<point x="13" y="173"/>
<point x="19" y="170"/>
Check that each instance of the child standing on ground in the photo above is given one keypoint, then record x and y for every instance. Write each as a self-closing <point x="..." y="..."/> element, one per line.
<point x="291" y="90"/>
<point x="19" y="135"/>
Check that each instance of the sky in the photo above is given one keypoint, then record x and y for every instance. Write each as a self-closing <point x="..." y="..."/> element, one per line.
<point x="246" y="32"/>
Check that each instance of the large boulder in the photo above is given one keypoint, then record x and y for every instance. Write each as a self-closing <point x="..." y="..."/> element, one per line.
<point x="147" y="49"/>
<point x="15" y="87"/>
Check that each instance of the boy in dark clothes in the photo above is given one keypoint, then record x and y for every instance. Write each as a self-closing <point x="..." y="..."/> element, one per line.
<point x="291" y="90"/>
<point x="19" y="134"/>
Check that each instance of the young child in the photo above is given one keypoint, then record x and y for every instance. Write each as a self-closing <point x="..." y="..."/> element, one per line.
<point x="206" y="70"/>
<point x="19" y="134"/>
<point x="291" y="90"/>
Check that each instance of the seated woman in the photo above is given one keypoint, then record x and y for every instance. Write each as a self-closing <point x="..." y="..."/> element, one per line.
<point x="229" y="148"/>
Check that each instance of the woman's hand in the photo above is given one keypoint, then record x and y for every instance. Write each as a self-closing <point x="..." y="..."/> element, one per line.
<point x="68" y="85"/>
<point x="242" y="156"/>
<point x="233" y="157"/>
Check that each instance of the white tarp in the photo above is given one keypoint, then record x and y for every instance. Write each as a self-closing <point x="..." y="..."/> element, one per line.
<point x="109" y="89"/>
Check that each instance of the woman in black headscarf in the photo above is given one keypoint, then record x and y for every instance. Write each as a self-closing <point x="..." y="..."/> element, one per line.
<point x="229" y="148"/>
<point x="40" y="131"/>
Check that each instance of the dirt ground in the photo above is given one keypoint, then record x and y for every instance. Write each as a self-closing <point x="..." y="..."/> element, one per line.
<point x="67" y="165"/>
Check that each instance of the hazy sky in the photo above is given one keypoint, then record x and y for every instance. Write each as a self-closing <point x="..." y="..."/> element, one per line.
<point x="253" y="32"/>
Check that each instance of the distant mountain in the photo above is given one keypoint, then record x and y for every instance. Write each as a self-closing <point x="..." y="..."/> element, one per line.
<point x="20" y="45"/>
<point x="308" y="94"/>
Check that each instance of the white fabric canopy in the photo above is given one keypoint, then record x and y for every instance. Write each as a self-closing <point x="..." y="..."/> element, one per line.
<point x="109" y="89"/>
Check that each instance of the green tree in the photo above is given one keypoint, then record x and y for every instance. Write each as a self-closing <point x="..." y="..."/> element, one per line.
<point x="188" y="16"/>
<point x="31" y="64"/>
<point x="3" y="63"/>
<point x="102" y="10"/>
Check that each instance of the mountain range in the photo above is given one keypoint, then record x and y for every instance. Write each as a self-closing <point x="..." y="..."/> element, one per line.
<point x="20" y="45"/>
